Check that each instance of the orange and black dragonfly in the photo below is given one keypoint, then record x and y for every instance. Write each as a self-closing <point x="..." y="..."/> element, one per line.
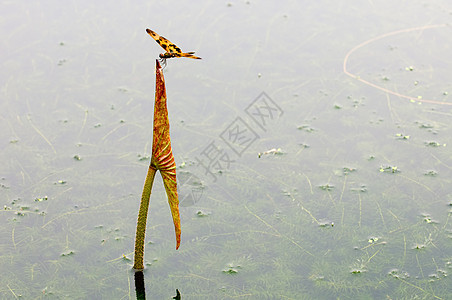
<point x="171" y="49"/>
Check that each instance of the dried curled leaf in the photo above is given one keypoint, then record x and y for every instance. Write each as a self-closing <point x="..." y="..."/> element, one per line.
<point x="162" y="154"/>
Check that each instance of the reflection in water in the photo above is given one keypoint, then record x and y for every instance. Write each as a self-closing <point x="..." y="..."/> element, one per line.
<point x="177" y="297"/>
<point x="139" y="285"/>
<point x="140" y="289"/>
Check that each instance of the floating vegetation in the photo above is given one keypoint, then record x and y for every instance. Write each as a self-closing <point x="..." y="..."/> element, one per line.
<point x="326" y="187"/>
<point x="431" y="173"/>
<point x="306" y="128"/>
<point x="448" y="264"/>
<point x="356" y="101"/>
<point x="201" y="213"/>
<point x="373" y="239"/>
<point x="425" y="125"/>
<point x="401" y="136"/>
<point x="126" y="258"/>
<point x="430" y="127"/>
<point x="419" y="246"/>
<point x="144" y="157"/>
<point x="359" y="267"/>
<point x="39" y="199"/>
<point x="326" y="224"/>
<point x="77" y="157"/>
<point x="378" y="121"/>
<point x="68" y="253"/>
<point x="433" y="144"/>
<point x="146" y="263"/>
<point x="427" y="219"/>
<point x="348" y="170"/>
<point x="362" y="189"/>
<point x="231" y="269"/>
<point x="273" y="151"/>
<point x="396" y="273"/>
<point x="440" y="274"/>
<point x="389" y="169"/>
<point x="45" y="292"/>
<point x="357" y="271"/>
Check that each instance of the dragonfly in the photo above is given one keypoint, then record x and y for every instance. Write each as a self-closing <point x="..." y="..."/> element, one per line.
<point x="171" y="49"/>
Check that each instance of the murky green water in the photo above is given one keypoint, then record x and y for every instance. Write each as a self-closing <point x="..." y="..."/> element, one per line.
<point x="350" y="199"/>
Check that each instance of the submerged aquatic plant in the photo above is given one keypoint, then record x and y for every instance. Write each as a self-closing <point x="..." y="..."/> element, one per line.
<point x="163" y="160"/>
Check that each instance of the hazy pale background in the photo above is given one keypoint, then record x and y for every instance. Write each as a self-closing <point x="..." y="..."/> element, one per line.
<point x="76" y="101"/>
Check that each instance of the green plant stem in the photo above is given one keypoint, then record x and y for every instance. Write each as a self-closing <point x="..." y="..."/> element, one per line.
<point x="142" y="217"/>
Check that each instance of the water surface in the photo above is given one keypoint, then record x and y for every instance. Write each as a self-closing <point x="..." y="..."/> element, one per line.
<point x="349" y="199"/>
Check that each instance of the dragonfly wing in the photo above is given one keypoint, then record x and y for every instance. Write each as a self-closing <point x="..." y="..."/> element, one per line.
<point x="164" y="42"/>
<point x="171" y="49"/>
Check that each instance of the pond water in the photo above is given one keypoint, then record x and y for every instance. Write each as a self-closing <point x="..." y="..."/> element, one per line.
<point x="312" y="142"/>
